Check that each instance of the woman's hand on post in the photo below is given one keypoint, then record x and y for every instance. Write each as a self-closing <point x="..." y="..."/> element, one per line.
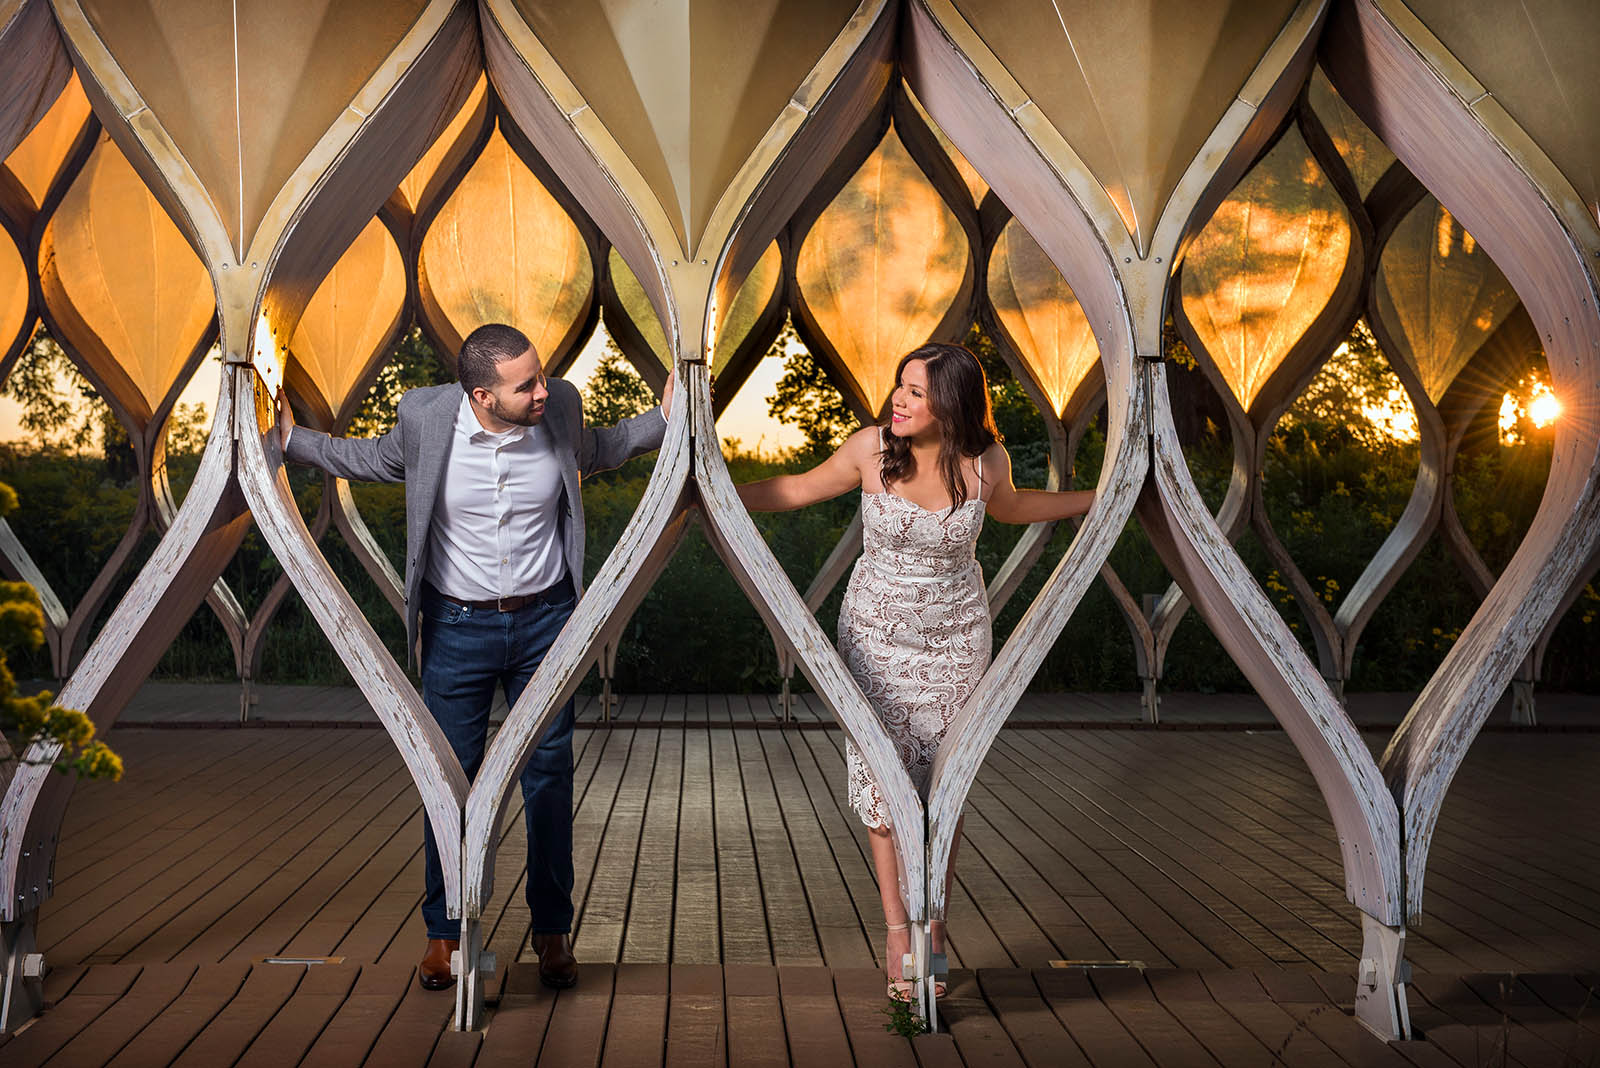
<point x="285" y="420"/>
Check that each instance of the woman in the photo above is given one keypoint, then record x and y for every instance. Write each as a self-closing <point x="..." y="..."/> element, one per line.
<point x="914" y="626"/>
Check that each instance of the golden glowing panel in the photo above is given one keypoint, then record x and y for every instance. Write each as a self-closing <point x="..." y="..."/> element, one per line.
<point x="1366" y="156"/>
<point x="1538" y="61"/>
<point x="687" y="87"/>
<point x="13" y="292"/>
<point x="501" y="250"/>
<point x="881" y="267"/>
<point x="350" y="315"/>
<point x="1042" y="318"/>
<point x="267" y="77"/>
<point x="637" y="306"/>
<point x="969" y="174"/>
<point x="37" y="159"/>
<point x="1265" y="266"/>
<point x="415" y="183"/>
<point x="1439" y="294"/>
<point x="131" y="279"/>
<point x="755" y="295"/>
<point x="1135" y="87"/>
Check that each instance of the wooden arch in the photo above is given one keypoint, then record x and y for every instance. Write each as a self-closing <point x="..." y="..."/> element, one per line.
<point x="1113" y="196"/>
<point x="690" y="183"/>
<point x="1439" y="90"/>
<point x="335" y="114"/>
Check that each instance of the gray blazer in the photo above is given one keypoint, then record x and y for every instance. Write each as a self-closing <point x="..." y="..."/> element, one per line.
<point x="416" y="451"/>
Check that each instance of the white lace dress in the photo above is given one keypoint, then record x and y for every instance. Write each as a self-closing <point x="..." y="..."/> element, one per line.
<point x="913" y="630"/>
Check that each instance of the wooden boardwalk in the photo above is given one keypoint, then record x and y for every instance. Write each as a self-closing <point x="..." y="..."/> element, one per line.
<point x="727" y="912"/>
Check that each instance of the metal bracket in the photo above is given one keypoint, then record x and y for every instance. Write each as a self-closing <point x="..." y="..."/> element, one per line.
<point x="472" y="966"/>
<point x="1381" y="981"/>
<point x="22" y="995"/>
<point x="1523" y="712"/>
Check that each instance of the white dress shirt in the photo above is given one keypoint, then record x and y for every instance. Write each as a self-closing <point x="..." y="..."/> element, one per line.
<point x="496" y="520"/>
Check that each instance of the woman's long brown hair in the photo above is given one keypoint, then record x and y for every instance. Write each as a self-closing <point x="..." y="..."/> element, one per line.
<point x="958" y="398"/>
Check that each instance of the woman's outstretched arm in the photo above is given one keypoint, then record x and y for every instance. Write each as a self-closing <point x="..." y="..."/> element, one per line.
<point x="1012" y="505"/>
<point x="838" y="474"/>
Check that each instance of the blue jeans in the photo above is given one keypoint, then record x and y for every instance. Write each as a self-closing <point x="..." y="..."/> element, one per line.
<point x="466" y="653"/>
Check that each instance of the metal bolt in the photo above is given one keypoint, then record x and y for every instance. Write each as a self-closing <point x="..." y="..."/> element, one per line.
<point x="1127" y="259"/>
<point x="1158" y="259"/>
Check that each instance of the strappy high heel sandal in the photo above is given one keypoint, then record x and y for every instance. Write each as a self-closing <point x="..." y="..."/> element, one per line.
<point x="938" y="964"/>
<point x="901" y="989"/>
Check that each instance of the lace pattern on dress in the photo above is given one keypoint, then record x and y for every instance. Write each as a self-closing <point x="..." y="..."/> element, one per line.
<point x="913" y="630"/>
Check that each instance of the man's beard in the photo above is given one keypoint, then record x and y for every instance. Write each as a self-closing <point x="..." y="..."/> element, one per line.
<point x="505" y="415"/>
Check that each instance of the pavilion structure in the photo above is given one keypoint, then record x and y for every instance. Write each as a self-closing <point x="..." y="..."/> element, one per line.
<point x="298" y="181"/>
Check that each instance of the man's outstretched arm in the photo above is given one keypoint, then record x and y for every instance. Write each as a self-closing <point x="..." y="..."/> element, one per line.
<point x="602" y="448"/>
<point x="360" y="459"/>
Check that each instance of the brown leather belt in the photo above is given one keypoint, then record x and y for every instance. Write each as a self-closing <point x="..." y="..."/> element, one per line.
<point x="510" y="604"/>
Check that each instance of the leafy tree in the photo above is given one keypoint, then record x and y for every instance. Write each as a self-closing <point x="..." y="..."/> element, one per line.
<point x="415" y="363"/>
<point x="805" y="398"/>
<point x="59" y="406"/>
<point x="25" y="719"/>
<point x="615" y="391"/>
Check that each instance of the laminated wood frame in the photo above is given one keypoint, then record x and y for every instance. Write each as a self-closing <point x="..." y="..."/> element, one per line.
<point x="974" y="95"/>
<point x="311" y="188"/>
<point x="690" y="235"/>
<point x="1514" y="185"/>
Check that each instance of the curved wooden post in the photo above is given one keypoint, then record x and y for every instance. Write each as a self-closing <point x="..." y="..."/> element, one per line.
<point x="690" y="236"/>
<point x="1006" y="110"/>
<point x="1438" y="95"/>
<point x="37" y="67"/>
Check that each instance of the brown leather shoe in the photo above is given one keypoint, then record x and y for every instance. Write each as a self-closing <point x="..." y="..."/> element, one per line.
<point x="434" y="971"/>
<point x="558" y="968"/>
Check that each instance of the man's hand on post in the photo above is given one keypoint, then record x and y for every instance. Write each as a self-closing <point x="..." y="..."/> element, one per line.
<point x="285" y="420"/>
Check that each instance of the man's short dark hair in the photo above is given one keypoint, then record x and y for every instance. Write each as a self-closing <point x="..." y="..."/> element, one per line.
<point x="490" y="344"/>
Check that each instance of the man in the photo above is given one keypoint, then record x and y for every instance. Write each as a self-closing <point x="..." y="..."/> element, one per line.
<point x="494" y="567"/>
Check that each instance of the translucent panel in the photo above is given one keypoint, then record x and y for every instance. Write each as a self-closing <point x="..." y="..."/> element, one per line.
<point x="411" y="189"/>
<point x="881" y="267"/>
<point x="351" y="314"/>
<point x="13" y="292"/>
<point x="969" y="175"/>
<point x="687" y="87"/>
<point x="1538" y="61"/>
<point x="37" y="159"/>
<point x="136" y="294"/>
<point x="637" y="306"/>
<point x="1266" y="265"/>
<point x="1366" y="156"/>
<point x="754" y="297"/>
<point x="305" y="62"/>
<point x="501" y="250"/>
<point x="1135" y="87"/>
<point x="1439" y="295"/>
<point x="1042" y="318"/>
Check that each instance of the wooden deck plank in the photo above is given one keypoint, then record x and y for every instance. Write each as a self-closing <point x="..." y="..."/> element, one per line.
<point x="290" y="1035"/>
<point x="579" y="1019"/>
<point x="652" y="896"/>
<point x="811" y="1017"/>
<point x="789" y="921"/>
<point x="95" y="994"/>
<point x="360" y="1019"/>
<point x="231" y="1031"/>
<point x="162" y="1038"/>
<point x="516" y="1027"/>
<point x="860" y="994"/>
<point x="1038" y="1035"/>
<point x="1095" y="1028"/>
<point x="740" y="894"/>
<point x="636" y="1031"/>
<point x="696" y="908"/>
<point x="838" y="927"/>
<point x="152" y="992"/>
<point x="409" y="1035"/>
<point x="697" y="1028"/>
<point x="604" y="912"/>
